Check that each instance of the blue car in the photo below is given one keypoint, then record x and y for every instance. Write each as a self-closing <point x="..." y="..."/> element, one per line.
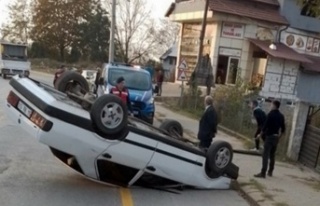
<point x="139" y="83"/>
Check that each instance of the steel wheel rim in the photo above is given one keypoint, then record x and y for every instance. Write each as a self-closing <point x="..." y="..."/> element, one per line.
<point x="112" y="115"/>
<point x="223" y="157"/>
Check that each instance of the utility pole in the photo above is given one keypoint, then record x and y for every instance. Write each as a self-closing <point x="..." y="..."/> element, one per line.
<point x="112" y="31"/>
<point x="203" y="31"/>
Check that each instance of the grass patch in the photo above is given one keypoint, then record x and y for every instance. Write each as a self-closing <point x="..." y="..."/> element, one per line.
<point x="244" y="184"/>
<point x="257" y="185"/>
<point x="312" y="182"/>
<point x="278" y="190"/>
<point x="261" y="188"/>
<point x="280" y="204"/>
<point x="268" y="196"/>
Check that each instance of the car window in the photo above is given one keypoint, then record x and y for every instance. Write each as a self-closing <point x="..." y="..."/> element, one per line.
<point x="134" y="79"/>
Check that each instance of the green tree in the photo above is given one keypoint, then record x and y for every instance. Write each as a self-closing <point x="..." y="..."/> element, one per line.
<point x="56" y="22"/>
<point x="94" y="35"/>
<point x="309" y="8"/>
<point x="18" y="26"/>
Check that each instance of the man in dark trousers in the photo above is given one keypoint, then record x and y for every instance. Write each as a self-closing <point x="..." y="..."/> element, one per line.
<point x="208" y="124"/>
<point x="273" y="129"/>
<point x="121" y="91"/>
<point x="260" y="118"/>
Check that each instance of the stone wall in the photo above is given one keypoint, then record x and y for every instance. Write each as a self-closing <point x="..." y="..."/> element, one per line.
<point x="280" y="79"/>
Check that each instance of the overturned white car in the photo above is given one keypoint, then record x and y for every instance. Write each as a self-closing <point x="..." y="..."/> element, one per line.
<point x="106" y="145"/>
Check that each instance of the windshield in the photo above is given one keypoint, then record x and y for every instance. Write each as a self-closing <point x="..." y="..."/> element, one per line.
<point x="134" y="79"/>
<point x="13" y="52"/>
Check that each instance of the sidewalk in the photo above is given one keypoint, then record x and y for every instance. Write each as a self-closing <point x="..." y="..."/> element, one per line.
<point x="290" y="186"/>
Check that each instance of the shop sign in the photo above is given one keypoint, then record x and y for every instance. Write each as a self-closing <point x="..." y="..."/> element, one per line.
<point x="232" y="30"/>
<point x="230" y="52"/>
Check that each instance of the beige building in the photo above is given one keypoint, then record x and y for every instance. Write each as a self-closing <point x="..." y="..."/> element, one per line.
<point x="238" y="38"/>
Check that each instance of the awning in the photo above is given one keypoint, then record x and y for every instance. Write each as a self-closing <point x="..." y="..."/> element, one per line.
<point x="314" y="66"/>
<point x="282" y="51"/>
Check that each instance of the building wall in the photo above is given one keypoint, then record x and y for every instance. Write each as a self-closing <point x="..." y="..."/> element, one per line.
<point x="309" y="87"/>
<point x="169" y="69"/>
<point x="291" y="10"/>
<point x="280" y="79"/>
<point x="189" y="42"/>
<point x="250" y="31"/>
<point x="166" y="63"/>
<point x="310" y="42"/>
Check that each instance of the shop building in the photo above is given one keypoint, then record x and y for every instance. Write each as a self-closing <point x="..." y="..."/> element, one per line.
<point x="238" y="38"/>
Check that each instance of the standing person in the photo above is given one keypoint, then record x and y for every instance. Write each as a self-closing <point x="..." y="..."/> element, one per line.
<point x="58" y="73"/>
<point x="121" y="91"/>
<point x="208" y="124"/>
<point x="273" y="129"/>
<point x="260" y="118"/>
<point x="160" y="78"/>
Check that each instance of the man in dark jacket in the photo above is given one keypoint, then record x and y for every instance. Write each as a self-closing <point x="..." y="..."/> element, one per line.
<point x="208" y="124"/>
<point x="260" y="118"/>
<point x="273" y="129"/>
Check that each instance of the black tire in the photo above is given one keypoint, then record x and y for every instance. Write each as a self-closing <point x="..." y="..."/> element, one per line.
<point x="68" y="76"/>
<point x="232" y="171"/>
<point x="150" y="121"/>
<point x="172" y="127"/>
<point x="4" y="76"/>
<point x="97" y="113"/>
<point x="214" y="150"/>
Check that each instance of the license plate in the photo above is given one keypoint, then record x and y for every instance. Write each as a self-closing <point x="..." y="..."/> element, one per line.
<point x="24" y="109"/>
<point x="135" y="112"/>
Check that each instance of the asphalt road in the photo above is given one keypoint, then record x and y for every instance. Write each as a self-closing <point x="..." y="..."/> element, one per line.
<point x="31" y="176"/>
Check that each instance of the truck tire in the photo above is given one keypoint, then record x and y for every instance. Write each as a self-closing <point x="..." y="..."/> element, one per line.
<point x="69" y="80"/>
<point x="109" y="114"/>
<point x="219" y="157"/>
<point x="172" y="127"/>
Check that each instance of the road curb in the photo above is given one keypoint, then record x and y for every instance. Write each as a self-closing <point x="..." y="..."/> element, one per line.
<point x="236" y="186"/>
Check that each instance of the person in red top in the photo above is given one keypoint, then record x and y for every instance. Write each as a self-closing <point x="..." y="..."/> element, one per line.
<point x="160" y="78"/>
<point x="121" y="91"/>
<point x="58" y="73"/>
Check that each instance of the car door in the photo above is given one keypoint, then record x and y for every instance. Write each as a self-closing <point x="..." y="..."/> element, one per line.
<point x="173" y="162"/>
<point x="123" y="162"/>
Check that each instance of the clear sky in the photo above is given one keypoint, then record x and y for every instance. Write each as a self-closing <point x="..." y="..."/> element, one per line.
<point x="159" y="8"/>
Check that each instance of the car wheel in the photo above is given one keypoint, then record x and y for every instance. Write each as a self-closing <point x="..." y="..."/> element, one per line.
<point x="72" y="82"/>
<point x="172" y="127"/>
<point x="109" y="114"/>
<point x="219" y="157"/>
<point x="4" y="76"/>
<point x="149" y="121"/>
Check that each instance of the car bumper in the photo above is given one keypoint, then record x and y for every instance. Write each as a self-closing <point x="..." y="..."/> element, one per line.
<point x="145" y="116"/>
<point x="15" y="72"/>
<point x="22" y="121"/>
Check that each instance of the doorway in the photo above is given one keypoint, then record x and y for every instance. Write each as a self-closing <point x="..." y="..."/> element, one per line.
<point x="227" y="70"/>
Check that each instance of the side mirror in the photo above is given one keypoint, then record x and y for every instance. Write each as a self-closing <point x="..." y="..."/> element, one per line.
<point x="101" y="81"/>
